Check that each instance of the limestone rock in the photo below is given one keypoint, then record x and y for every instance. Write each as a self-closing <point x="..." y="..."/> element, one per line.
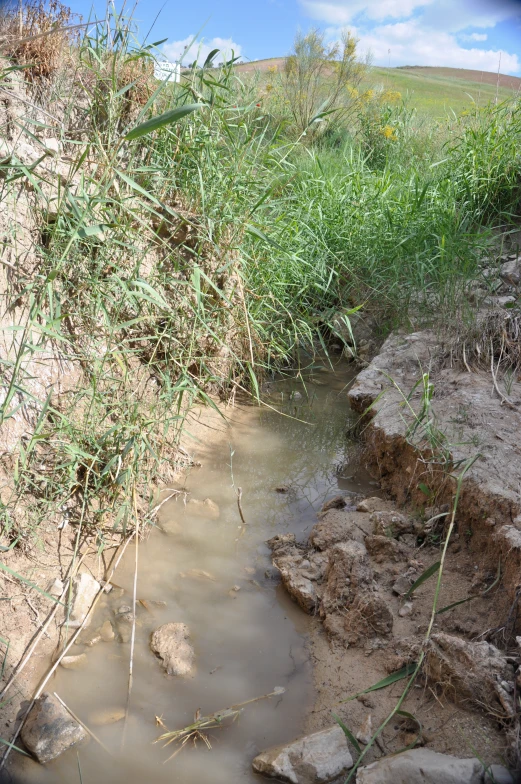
<point x="84" y="591"/>
<point x="421" y="766"/>
<point x="469" y="671"/>
<point x="313" y="759"/>
<point x="171" y="643"/>
<point x="301" y="588"/>
<point x="49" y="729"/>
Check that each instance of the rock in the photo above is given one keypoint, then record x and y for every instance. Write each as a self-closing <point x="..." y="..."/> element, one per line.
<point x="497" y="774"/>
<point x="401" y="586"/>
<point x="49" y="729"/>
<point x="301" y="588"/>
<point x="106" y="632"/>
<point x="124" y="609"/>
<point x="314" y="759"/>
<point x="282" y="488"/>
<point x="511" y="272"/>
<point x="124" y="622"/>
<point x="74" y="662"/>
<point x="84" y="591"/>
<point x="106" y="716"/>
<point x="89" y="637"/>
<point x="365" y="732"/>
<point x="272" y="573"/>
<point x="469" y="671"/>
<point x="171" y="643"/>
<point x="421" y="766"/>
<point x="381" y="548"/>
<point x="406" y="610"/>
<point x="56" y="588"/>
<point x="52" y="145"/>
<point x="282" y="543"/>
<point x="392" y="524"/>
<point x="338" y="502"/>
<point x="206" y="508"/>
<point x="373" y="504"/>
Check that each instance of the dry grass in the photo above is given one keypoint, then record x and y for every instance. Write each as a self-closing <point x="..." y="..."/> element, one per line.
<point x="38" y="36"/>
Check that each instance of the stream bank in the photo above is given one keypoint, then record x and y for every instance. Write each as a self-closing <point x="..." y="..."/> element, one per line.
<point x="345" y="555"/>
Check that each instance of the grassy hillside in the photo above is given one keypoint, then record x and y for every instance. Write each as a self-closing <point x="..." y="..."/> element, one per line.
<point x="436" y="91"/>
<point x="433" y="91"/>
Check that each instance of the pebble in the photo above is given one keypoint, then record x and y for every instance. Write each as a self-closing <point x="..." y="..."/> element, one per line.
<point x="365" y="732"/>
<point x="107" y="632"/>
<point x="406" y="610"/>
<point x="74" y="662"/>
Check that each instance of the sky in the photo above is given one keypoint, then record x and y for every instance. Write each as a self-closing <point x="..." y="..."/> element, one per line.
<point x="456" y="33"/>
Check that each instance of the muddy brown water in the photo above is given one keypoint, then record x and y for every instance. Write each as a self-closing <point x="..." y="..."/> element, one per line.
<point x="247" y="642"/>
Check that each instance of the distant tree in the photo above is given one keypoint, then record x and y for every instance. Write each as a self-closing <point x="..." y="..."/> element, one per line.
<point x="320" y="82"/>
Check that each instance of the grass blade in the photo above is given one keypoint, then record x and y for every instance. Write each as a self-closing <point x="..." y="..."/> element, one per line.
<point x="167" y="118"/>
<point x="347" y="732"/>
<point x="424" y="576"/>
<point x="399" y="675"/>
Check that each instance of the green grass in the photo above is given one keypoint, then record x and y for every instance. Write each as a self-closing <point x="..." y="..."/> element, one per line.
<point x="437" y="95"/>
<point x="195" y="258"/>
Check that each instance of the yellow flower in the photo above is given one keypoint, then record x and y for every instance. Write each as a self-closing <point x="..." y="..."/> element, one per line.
<point x="388" y="133"/>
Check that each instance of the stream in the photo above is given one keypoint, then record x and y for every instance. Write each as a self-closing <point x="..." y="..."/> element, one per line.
<point x="214" y="575"/>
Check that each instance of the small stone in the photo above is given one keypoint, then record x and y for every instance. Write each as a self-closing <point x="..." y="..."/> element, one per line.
<point x="171" y="643"/>
<point x="236" y="588"/>
<point x="107" y="632"/>
<point x="338" y="502"/>
<point x="313" y="759"/>
<point x="56" y="588"/>
<point x="401" y="586"/>
<point x="282" y="488"/>
<point x="296" y="396"/>
<point x="125" y="608"/>
<point x="371" y="505"/>
<point x="107" y="587"/>
<point x="49" y="729"/>
<point x="106" y="716"/>
<point x="365" y="732"/>
<point x="406" y="610"/>
<point x="497" y="774"/>
<point x="74" y="662"/>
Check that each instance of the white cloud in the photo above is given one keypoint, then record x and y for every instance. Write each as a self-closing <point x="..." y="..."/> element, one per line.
<point x="474" y="37"/>
<point x="340" y="12"/>
<point x="452" y="15"/>
<point x="200" y="50"/>
<point x="412" y="44"/>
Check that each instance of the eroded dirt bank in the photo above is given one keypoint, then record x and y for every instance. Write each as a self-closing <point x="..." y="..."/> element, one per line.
<point x="362" y="557"/>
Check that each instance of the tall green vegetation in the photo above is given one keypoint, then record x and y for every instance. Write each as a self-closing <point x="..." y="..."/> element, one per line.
<point x="193" y="254"/>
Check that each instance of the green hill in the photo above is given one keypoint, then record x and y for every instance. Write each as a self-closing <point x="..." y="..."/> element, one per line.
<point x="433" y="91"/>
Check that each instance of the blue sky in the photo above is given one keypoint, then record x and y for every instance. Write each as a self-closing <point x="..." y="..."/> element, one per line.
<point x="456" y="33"/>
